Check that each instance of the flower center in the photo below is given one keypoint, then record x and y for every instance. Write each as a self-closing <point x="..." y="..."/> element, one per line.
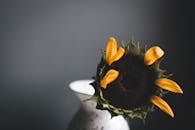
<point x="134" y="85"/>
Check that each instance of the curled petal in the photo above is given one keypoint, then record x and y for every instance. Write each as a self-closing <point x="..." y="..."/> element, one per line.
<point x="159" y="102"/>
<point x="153" y="54"/>
<point x="117" y="56"/>
<point x="111" y="48"/>
<point x="110" y="76"/>
<point x="169" y="85"/>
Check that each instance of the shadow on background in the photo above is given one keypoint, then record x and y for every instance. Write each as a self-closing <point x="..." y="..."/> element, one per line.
<point x="45" y="44"/>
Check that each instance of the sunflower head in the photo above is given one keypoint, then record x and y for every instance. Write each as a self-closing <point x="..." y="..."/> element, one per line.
<point x="130" y="82"/>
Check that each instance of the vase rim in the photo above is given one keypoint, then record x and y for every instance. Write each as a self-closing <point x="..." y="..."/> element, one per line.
<point x="82" y="86"/>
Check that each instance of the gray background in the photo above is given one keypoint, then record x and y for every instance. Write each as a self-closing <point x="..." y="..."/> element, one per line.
<point x="46" y="44"/>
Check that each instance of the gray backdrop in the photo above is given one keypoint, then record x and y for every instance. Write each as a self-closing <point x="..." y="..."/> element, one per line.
<point x="46" y="44"/>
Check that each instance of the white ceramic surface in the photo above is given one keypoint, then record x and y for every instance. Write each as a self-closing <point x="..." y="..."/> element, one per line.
<point x="90" y="118"/>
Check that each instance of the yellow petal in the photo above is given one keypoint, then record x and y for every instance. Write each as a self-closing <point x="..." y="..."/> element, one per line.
<point x="153" y="54"/>
<point x="110" y="76"/>
<point x="159" y="102"/>
<point x="111" y="48"/>
<point x="117" y="56"/>
<point x="169" y="85"/>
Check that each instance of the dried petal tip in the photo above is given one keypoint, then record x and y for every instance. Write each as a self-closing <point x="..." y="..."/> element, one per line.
<point x="111" y="48"/>
<point x="110" y="76"/>
<point x="153" y="54"/>
<point x="169" y="85"/>
<point x="159" y="102"/>
<point x="112" y="51"/>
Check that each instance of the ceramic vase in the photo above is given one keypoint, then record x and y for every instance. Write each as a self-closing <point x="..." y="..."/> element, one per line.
<point x="88" y="117"/>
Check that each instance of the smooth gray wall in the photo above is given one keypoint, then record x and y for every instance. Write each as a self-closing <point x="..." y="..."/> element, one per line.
<point x="46" y="44"/>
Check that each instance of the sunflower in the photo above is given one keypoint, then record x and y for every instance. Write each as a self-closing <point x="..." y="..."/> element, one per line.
<point x="130" y="82"/>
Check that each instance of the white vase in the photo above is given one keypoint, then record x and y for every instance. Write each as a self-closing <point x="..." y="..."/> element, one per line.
<point x="90" y="118"/>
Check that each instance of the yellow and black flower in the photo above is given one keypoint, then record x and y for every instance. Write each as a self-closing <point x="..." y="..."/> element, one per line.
<point x="130" y="82"/>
